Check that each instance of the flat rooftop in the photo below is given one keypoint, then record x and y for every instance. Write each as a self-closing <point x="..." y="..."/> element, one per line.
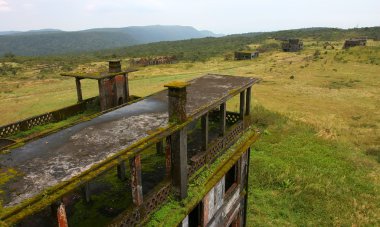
<point x="47" y="161"/>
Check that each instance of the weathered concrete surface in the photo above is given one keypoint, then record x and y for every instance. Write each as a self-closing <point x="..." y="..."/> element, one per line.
<point x="60" y="156"/>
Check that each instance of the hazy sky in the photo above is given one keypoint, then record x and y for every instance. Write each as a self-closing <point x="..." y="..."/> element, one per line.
<point x="221" y="16"/>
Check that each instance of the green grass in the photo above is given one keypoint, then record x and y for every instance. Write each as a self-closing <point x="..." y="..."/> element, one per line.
<point x="317" y="162"/>
<point x="300" y="179"/>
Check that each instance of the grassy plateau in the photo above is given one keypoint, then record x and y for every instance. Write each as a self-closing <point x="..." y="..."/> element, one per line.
<point x="317" y="161"/>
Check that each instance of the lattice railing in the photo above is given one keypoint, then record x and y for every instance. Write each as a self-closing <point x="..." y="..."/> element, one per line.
<point x="58" y="115"/>
<point x="231" y="117"/>
<point x="215" y="149"/>
<point x="134" y="217"/>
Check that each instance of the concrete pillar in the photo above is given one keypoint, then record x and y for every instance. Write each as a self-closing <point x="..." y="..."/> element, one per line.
<point x="61" y="216"/>
<point x="79" y="89"/>
<point x="205" y="130"/>
<point x="121" y="170"/>
<point x="178" y="140"/>
<point x="248" y="101"/>
<point x="177" y="101"/>
<point x="160" y="147"/>
<point x="114" y="66"/>
<point x="222" y="116"/>
<point x="86" y="192"/>
<point x="242" y="105"/>
<point x="179" y="162"/>
<point x="136" y="181"/>
<point x="246" y="186"/>
<point x="126" y="87"/>
<point x="168" y="156"/>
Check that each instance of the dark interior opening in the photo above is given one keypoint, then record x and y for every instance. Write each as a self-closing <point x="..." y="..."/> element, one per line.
<point x="195" y="216"/>
<point x="120" y="101"/>
<point x="230" y="178"/>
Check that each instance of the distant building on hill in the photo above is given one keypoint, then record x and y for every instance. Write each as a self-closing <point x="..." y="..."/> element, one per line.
<point x="246" y="55"/>
<point x="355" y="42"/>
<point x="292" y="45"/>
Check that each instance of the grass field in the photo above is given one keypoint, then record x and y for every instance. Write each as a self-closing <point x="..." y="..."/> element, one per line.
<point x="317" y="162"/>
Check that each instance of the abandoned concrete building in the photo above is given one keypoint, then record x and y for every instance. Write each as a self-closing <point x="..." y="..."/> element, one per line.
<point x="246" y="55"/>
<point x="145" y="61"/>
<point x="354" y="42"/>
<point x="179" y="157"/>
<point x="292" y="45"/>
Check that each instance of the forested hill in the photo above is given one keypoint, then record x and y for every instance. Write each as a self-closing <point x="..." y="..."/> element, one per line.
<point x="201" y="49"/>
<point x="53" y="42"/>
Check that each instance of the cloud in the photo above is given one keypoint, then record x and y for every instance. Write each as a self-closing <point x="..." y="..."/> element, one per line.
<point x="4" y="6"/>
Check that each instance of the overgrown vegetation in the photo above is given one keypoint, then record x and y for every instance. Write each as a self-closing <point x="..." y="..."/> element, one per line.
<point x="300" y="179"/>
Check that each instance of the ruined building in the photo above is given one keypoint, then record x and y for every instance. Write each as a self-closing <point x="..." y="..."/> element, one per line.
<point x="292" y="45"/>
<point x="179" y="157"/>
<point x="354" y="42"/>
<point x="246" y="55"/>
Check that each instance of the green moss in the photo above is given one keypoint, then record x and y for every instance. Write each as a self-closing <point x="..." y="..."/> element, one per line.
<point x="172" y="212"/>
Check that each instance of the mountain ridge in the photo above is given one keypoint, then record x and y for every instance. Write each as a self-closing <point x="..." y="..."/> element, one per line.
<point x="54" y="41"/>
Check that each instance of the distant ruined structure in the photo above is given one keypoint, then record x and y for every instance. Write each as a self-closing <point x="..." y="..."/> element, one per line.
<point x="245" y="55"/>
<point x="113" y="85"/>
<point x="153" y="60"/>
<point x="354" y="42"/>
<point x="291" y="45"/>
<point x="120" y="166"/>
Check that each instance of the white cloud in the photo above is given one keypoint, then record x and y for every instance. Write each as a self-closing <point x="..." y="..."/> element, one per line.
<point x="4" y="6"/>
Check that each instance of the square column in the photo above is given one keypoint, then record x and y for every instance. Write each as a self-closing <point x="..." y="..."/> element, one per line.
<point x="222" y="116"/>
<point x="136" y="181"/>
<point x="178" y="140"/>
<point x="205" y="130"/>
<point x="160" y="147"/>
<point x="242" y="105"/>
<point x="126" y="87"/>
<point x="177" y="101"/>
<point x="248" y="102"/>
<point x="79" y="89"/>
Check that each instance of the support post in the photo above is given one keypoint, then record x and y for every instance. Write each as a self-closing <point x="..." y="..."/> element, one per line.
<point x="242" y="105"/>
<point x="248" y="102"/>
<point x="61" y="216"/>
<point x="168" y="156"/>
<point x="160" y="147"/>
<point x="178" y="140"/>
<point x="136" y="181"/>
<point x="177" y="101"/>
<point x="179" y="162"/>
<point x="79" y="89"/>
<point x="246" y="187"/>
<point x="205" y="130"/>
<point x="86" y="192"/>
<point x="102" y="95"/>
<point x="126" y="87"/>
<point x="121" y="170"/>
<point x="222" y="115"/>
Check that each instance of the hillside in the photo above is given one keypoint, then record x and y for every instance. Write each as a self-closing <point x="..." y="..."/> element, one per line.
<point x="317" y="161"/>
<point x="51" y="41"/>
